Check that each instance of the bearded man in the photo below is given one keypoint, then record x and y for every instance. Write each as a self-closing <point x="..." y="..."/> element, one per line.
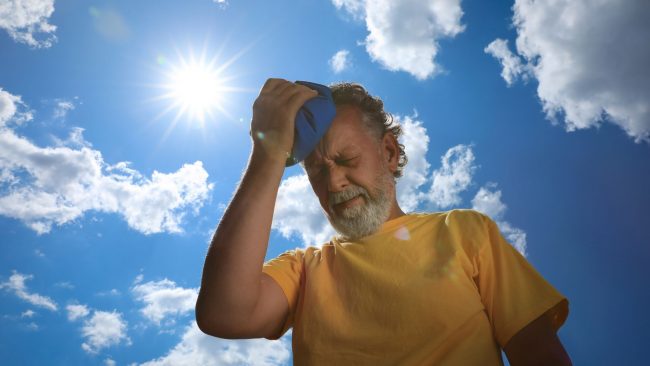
<point x="392" y="288"/>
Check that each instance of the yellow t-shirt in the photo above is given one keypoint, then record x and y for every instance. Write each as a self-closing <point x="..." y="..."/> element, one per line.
<point x="442" y="288"/>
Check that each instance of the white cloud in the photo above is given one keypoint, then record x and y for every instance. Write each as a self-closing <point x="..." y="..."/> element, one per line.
<point x="356" y="8"/>
<point x="63" y="183"/>
<point x="404" y="35"/>
<point x="103" y="329"/>
<point x="453" y="177"/>
<point x="163" y="298"/>
<point x="488" y="201"/>
<point x="197" y="348"/>
<point x="110" y="362"/>
<point x="340" y="61"/>
<point x="65" y="285"/>
<point x="77" y="311"/>
<point x="590" y="59"/>
<point x="27" y="313"/>
<point x="13" y="109"/>
<point x="24" y="20"/>
<point x="62" y="108"/>
<point x="16" y="284"/>
<point x="298" y="212"/>
<point x="111" y="292"/>
<point x="416" y="145"/>
<point x="513" y="68"/>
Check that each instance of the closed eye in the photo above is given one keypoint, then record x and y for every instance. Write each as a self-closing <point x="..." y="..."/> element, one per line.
<point x="346" y="161"/>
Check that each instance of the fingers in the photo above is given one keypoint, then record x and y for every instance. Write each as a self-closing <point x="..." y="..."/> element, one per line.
<point x="297" y="97"/>
<point x="286" y="92"/>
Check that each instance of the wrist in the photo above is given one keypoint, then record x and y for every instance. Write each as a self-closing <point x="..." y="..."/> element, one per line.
<point x="267" y="159"/>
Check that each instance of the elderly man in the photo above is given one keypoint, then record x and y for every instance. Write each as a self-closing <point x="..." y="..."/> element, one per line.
<point x="392" y="288"/>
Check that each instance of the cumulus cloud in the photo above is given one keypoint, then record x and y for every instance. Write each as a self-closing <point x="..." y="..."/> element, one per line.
<point x="415" y="173"/>
<point x="488" y="201"/>
<point x="513" y="68"/>
<point x="197" y="348"/>
<point x="77" y="311"/>
<point x="340" y="61"/>
<point x="27" y="21"/>
<point x="16" y="284"/>
<point x="453" y="177"/>
<point x="163" y="298"/>
<point x="13" y="109"/>
<point x="356" y="8"/>
<point x="590" y="59"/>
<point x="298" y="212"/>
<point x="44" y="186"/>
<point x="104" y="329"/>
<point x="404" y="35"/>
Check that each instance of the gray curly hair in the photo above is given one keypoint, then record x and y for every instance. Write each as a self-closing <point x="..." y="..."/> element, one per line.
<point x="379" y="121"/>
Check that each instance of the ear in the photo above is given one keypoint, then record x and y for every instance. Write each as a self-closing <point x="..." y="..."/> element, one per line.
<point x="390" y="151"/>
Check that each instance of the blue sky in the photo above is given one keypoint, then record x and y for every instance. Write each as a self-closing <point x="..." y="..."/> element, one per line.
<point x="536" y="114"/>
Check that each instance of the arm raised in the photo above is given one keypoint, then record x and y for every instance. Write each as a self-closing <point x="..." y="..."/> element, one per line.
<point x="236" y="300"/>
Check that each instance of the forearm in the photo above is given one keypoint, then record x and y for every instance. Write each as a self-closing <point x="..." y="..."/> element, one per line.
<point x="233" y="265"/>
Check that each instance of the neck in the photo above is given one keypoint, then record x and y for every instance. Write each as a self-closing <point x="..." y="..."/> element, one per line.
<point x="395" y="211"/>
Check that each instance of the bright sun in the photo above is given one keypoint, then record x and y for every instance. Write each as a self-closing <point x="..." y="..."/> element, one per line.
<point x="195" y="88"/>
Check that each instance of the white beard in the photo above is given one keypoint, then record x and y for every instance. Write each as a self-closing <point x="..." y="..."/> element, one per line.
<point x="365" y="218"/>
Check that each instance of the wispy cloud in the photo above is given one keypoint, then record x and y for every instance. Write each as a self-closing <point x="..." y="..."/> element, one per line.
<point x="590" y="59"/>
<point x="16" y="284"/>
<point x="197" y="348"/>
<point x="77" y="311"/>
<point x="27" y="313"/>
<point x="164" y="298"/>
<point x="27" y="21"/>
<point x="61" y="108"/>
<point x="404" y="35"/>
<point x="65" y="182"/>
<point x="340" y="61"/>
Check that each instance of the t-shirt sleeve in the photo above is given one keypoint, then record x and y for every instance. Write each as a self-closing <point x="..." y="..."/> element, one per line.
<point x="512" y="291"/>
<point x="286" y="270"/>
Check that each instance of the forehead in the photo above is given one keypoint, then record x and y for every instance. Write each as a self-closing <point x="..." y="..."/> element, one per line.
<point x="347" y="134"/>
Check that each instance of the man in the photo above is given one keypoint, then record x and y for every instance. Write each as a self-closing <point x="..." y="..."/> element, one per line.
<point x="392" y="289"/>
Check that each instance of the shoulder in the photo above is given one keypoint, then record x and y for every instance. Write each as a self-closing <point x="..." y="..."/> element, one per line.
<point x="464" y="218"/>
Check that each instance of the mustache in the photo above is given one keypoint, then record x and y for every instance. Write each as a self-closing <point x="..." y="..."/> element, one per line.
<point x="334" y="198"/>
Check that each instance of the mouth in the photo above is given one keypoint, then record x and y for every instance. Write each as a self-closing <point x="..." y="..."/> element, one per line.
<point x="356" y="200"/>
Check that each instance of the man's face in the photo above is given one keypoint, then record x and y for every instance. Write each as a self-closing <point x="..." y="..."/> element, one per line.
<point x="350" y="173"/>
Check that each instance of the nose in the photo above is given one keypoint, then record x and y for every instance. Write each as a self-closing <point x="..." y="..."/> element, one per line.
<point x="336" y="179"/>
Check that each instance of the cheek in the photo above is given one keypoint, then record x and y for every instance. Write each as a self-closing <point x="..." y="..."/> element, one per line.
<point x="320" y="190"/>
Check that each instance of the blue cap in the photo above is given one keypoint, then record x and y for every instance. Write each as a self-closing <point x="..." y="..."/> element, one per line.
<point x="312" y="121"/>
